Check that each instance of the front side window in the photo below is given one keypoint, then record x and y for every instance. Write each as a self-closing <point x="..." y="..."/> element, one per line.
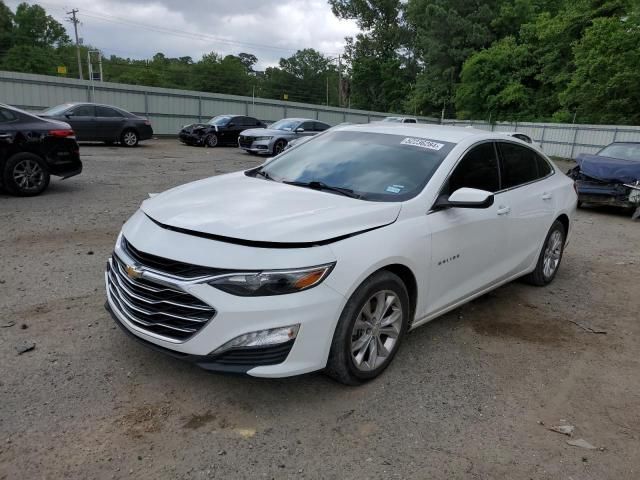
<point x="477" y="169"/>
<point x="388" y="168"/>
<point x="519" y="165"/>
<point x="286" y="125"/>
<point x="409" y="120"/>
<point x="623" y="151"/>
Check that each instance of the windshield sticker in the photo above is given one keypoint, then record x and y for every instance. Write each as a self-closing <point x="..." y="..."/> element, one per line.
<point x="394" y="188"/>
<point x="422" y="143"/>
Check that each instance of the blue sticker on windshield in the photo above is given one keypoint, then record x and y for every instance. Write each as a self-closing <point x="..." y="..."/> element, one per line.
<point x="394" y="188"/>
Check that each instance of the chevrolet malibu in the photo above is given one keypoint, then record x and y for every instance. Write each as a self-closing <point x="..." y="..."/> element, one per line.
<point x="326" y="256"/>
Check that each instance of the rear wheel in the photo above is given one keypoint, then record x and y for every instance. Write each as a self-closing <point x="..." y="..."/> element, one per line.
<point x="370" y="329"/>
<point x="550" y="256"/>
<point x="26" y="175"/>
<point x="211" y="140"/>
<point x="129" y="138"/>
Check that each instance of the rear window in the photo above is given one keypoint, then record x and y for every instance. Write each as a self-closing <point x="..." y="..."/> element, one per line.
<point x="377" y="167"/>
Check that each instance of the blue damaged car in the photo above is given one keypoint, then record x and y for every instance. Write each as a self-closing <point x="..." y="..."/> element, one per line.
<point x="610" y="177"/>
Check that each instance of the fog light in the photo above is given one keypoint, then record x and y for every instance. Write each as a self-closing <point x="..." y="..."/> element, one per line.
<point x="261" y="338"/>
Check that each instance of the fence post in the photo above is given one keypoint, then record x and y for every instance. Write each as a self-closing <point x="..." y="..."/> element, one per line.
<point x="615" y="135"/>
<point x="573" y="142"/>
<point x="146" y="104"/>
<point x="199" y="109"/>
<point x="246" y="108"/>
<point x="544" y="129"/>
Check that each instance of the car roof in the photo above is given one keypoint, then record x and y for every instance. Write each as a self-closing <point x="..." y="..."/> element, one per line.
<point x="421" y="130"/>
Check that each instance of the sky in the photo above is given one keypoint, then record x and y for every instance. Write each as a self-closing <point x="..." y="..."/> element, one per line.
<point x="269" y="29"/>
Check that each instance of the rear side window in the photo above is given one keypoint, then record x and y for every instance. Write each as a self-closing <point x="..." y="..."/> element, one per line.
<point x="107" y="112"/>
<point x="7" y="115"/>
<point x="320" y="127"/>
<point x="83" y="111"/>
<point x="409" y="120"/>
<point x="251" y="122"/>
<point x="478" y="169"/>
<point x="308" y="126"/>
<point x="520" y="165"/>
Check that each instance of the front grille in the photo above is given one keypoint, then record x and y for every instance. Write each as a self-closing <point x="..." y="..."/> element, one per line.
<point x="153" y="307"/>
<point x="166" y="265"/>
<point x="245" y="141"/>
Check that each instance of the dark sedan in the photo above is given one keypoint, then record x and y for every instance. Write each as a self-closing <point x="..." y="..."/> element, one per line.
<point x="220" y="130"/>
<point x="32" y="149"/>
<point x="102" y="123"/>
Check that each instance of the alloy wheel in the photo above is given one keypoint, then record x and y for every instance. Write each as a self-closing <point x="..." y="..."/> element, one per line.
<point x="376" y="330"/>
<point x="130" y="138"/>
<point x="212" y="141"/>
<point x="28" y="175"/>
<point x="552" y="254"/>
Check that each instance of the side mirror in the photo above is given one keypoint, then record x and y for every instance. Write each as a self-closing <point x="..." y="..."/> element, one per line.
<point x="299" y="130"/>
<point x="465" y="198"/>
<point x="68" y="115"/>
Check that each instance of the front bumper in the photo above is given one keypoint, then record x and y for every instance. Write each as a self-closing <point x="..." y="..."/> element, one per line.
<point x="612" y="194"/>
<point x="316" y="310"/>
<point x="190" y="138"/>
<point x="260" y="147"/>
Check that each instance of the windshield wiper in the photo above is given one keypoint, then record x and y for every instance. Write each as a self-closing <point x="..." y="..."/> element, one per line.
<point x="264" y="174"/>
<point x="316" y="185"/>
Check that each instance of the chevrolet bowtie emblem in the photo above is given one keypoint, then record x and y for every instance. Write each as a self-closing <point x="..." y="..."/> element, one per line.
<point x="133" y="271"/>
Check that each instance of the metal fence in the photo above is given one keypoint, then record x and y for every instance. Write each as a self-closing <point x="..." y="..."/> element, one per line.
<point x="169" y="109"/>
<point x="559" y="139"/>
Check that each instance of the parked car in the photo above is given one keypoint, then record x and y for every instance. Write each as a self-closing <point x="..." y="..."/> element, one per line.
<point x="301" y="140"/>
<point x="32" y="149"/>
<point x="610" y="177"/>
<point x="400" y="120"/>
<point x="102" y="123"/>
<point x="325" y="256"/>
<point x="220" y="130"/>
<point x="274" y="139"/>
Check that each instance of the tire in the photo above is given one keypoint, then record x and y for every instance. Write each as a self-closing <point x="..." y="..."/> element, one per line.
<point x="357" y="328"/>
<point x="552" y="251"/>
<point x="129" y="138"/>
<point x="211" y="140"/>
<point x="279" y="146"/>
<point x="25" y="175"/>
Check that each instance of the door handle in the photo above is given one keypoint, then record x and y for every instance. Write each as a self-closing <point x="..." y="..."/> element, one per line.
<point x="546" y="196"/>
<point x="502" y="210"/>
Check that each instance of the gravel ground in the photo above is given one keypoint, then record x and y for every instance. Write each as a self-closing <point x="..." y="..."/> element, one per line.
<point x="470" y="395"/>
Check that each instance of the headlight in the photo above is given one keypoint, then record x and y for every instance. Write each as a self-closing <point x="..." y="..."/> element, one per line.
<point x="272" y="282"/>
<point x="263" y="138"/>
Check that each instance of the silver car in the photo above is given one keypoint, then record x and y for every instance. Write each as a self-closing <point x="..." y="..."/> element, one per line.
<point x="274" y="139"/>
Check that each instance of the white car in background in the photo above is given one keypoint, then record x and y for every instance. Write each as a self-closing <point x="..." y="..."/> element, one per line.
<point x="400" y="120"/>
<point x="524" y="137"/>
<point x="327" y="255"/>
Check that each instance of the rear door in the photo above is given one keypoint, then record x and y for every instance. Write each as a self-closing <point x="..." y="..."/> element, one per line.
<point x="467" y="243"/>
<point x="7" y="131"/>
<point x="109" y="123"/>
<point x="82" y="119"/>
<point x="529" y="200"/>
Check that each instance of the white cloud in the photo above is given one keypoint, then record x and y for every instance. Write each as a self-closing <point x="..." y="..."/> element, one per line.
<point x="269" y="29"/>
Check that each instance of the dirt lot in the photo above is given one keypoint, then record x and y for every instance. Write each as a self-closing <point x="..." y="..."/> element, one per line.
<point x="470" y="395"/>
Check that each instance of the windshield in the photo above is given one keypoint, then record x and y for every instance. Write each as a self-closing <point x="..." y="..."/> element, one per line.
<point x="57" y="110"/>
<point x="285" y="124"/>
<point x="624" y="151"/>
<point x="377" y="167"/>
<point x="393" y="119"/>
<point x="220" y="120"/>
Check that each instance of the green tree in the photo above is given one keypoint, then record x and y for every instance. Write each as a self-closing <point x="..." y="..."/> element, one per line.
<point x="6" y="28"/>
<point x="32" y="26"/>
<point x="604" y="87"/>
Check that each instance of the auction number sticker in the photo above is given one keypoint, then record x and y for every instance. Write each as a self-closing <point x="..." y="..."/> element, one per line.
<point x="422" y="143"/>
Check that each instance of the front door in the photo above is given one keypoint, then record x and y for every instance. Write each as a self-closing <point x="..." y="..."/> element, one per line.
<point x="467" y="243"/>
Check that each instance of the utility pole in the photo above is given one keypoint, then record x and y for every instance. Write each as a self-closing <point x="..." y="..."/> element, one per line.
<point x="339" y="82"/>
<point x="327" y="90"/>
<point x="75" y="22"/>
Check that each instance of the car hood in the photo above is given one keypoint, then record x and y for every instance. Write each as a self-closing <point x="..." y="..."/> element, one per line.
<point x="262" y="132"/>
<point x="239" y="207"/>
<point x="609" y="169"/>
<point x="194" y="126"/>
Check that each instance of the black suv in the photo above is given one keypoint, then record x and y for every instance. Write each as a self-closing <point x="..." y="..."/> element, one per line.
<point x="220" y="130"/>
<point x="102" y="123"/>
<point x="32" y="149"/>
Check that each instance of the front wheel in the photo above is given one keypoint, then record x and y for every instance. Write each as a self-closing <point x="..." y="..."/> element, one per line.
<point x="370" y="329"/>
<point x="26" y="175"/>
<point x="129" y="138"/>
<point x="279" y="146"/>
<point x="211" y="140"/>
<point x="550" y="256"/>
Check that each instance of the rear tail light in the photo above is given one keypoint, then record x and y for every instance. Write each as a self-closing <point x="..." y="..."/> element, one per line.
<point x="62" y="133"/>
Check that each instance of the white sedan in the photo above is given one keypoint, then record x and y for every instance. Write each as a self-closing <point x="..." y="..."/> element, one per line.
<point x="327" y="255"/>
